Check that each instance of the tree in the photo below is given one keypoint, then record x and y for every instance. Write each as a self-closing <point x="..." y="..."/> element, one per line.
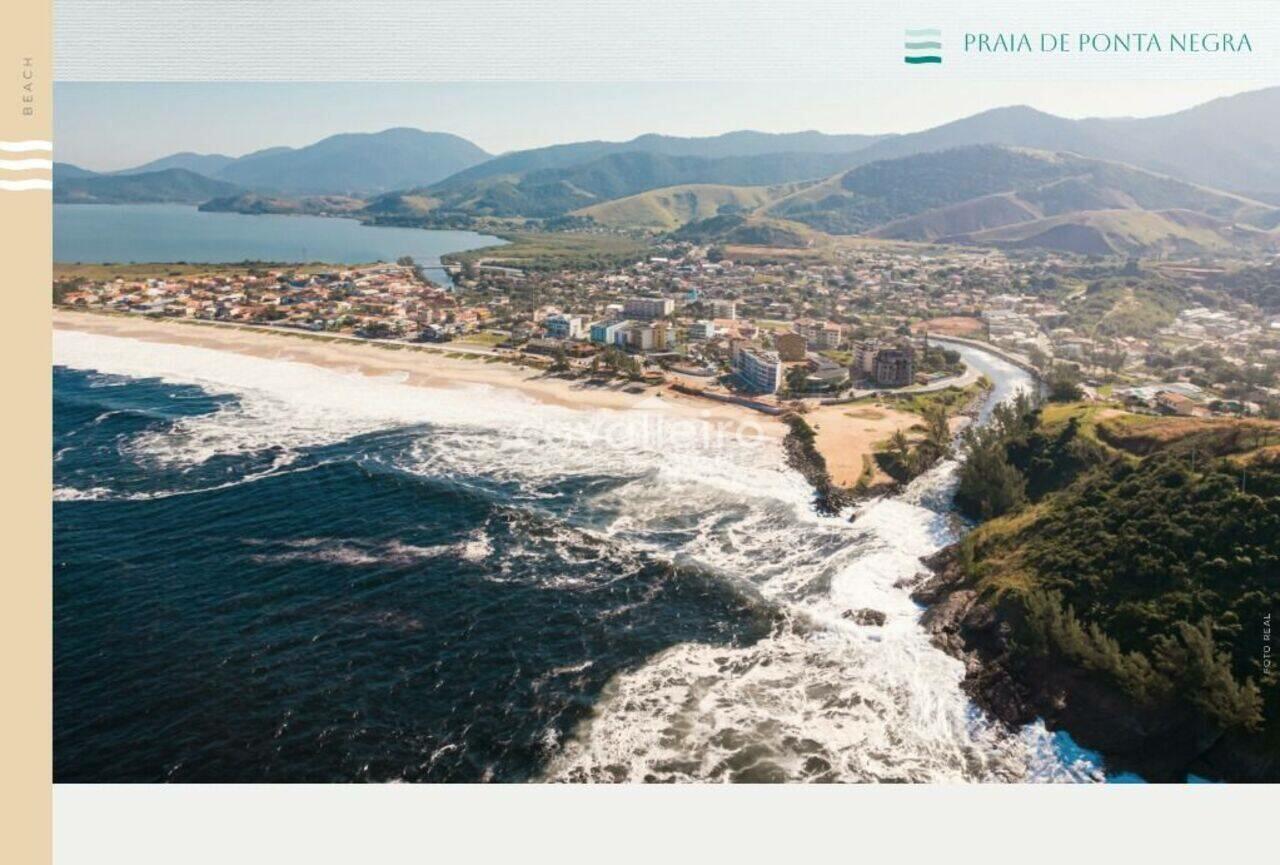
<point x="797" y="376"/>
<point x="560" y="362"/>
<point x="1063" y="383"/>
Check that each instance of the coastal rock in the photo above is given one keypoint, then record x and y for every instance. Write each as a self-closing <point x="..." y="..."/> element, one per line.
<point x="864" y="616"/>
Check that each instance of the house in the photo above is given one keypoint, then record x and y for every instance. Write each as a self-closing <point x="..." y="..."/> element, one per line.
<point x="1170" y="402"/>
<point x="724" y="309"/>
<point x="648" y="337"/>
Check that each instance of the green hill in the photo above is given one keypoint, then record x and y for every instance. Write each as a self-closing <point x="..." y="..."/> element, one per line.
<point x="172" y="185"/>
<point x="734" y="228"/>
<point x="740" y="143"/>
<point x="669" y="208"/>
<point x="971" y="186"/>
<point x="253" y="202"/>
<point x="355" y="163"/>
<point x="551" y="192"/>
<point x="1123" y="232"/>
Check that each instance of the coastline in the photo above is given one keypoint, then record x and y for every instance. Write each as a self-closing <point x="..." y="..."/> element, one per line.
<point x="420" y="366"/>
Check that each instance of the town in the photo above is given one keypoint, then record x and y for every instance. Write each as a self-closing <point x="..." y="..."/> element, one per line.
<point x="767" y="326"/>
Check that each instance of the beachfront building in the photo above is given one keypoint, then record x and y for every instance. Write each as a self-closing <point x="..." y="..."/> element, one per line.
<point x="606" y="332"/>
<point x="648" y="308"/>
<point x="563" y="326"/>
<point x="759" y="371"/>
<point x="649" y="337"/>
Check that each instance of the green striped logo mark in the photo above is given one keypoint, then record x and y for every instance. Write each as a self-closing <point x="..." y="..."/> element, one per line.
<point x="923" y="46"/>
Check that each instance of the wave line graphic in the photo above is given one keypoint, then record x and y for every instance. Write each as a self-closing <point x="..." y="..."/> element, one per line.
<point x="25" y="164"/>
<point x="915" y="45"/>
<point x="924" y="58"/>
<point x="24" y="185"/>
<point x="25" y="146"/>
<point x="926" y="31"/>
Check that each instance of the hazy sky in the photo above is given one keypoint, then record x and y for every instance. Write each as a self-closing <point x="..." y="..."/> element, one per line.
<point x="105" y="126"/>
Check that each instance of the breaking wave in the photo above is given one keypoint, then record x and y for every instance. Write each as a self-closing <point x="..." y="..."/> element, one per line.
<point x="818" y="697"/>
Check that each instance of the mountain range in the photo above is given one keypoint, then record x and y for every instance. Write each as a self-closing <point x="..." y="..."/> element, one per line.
<point x="1201" y="178"/>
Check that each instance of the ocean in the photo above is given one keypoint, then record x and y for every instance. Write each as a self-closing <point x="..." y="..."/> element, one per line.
<point x="271" y="572"/>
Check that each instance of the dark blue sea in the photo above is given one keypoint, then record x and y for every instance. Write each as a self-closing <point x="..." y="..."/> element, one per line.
<point x="267" y="572"/>
<point x="329" y="622"/>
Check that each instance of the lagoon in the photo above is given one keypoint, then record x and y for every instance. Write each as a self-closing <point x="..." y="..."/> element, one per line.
<point x="135" y="233"/>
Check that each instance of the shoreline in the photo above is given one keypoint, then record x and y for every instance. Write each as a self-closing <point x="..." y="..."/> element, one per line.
<point x="846" y="436"/>
<point x="421" y="366"/>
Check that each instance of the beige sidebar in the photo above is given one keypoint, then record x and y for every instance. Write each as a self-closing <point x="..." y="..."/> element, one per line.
<point x="26" y="253"/>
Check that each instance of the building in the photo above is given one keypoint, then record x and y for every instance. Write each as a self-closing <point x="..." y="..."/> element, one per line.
<point x="1174" y="403"/>
<point x="435" y="333"/>
<point x="724" y="309"/>
<point x="606" y="332"/>
<point x="648" y="337"/>
<point x="824" y="374"/>
<point x="819" y="334"/>
<point x="548" y="347"/>
<point x="648" y="308"/>
<point x="790" y="346"/>
<point x="759" y="371"/>
<point x="701" y="331"/>
<point x="895" y="367"/>
<point x="563" y="326"/>
<point x="864" y="358"/>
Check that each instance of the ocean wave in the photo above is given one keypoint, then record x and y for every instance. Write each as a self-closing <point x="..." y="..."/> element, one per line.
<point x="350" y="551"/>
<point x="820" y="698"/>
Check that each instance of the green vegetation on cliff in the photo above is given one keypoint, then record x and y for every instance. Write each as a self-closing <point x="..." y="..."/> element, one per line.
<point x="1141" y="551"/>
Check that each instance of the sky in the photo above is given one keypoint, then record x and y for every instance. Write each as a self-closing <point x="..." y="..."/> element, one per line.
<point x="108" y="126"/>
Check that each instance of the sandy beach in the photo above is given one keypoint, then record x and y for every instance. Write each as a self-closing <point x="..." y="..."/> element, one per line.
<point x="422" y="366"/>
<point x="846" y="434"/>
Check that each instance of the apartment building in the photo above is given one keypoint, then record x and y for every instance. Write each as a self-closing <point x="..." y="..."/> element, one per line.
<point x="563" y="326"/>
<point x="648" y="308"/>
<point x="759" y="371"/>
<point x="701" y="331"/>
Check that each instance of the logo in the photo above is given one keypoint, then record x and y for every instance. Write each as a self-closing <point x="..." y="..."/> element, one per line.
<point x="923" y="46"/>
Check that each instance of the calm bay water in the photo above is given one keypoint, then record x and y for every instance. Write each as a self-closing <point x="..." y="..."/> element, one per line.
<point x="128" y="233"/>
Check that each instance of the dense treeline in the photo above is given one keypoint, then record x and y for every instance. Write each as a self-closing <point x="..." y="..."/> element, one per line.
<point x="1156" y="573"/>
<point x="1259" y="286"/>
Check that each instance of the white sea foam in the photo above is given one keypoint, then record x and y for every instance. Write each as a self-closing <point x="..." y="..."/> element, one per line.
<point x="820" y="698"/>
